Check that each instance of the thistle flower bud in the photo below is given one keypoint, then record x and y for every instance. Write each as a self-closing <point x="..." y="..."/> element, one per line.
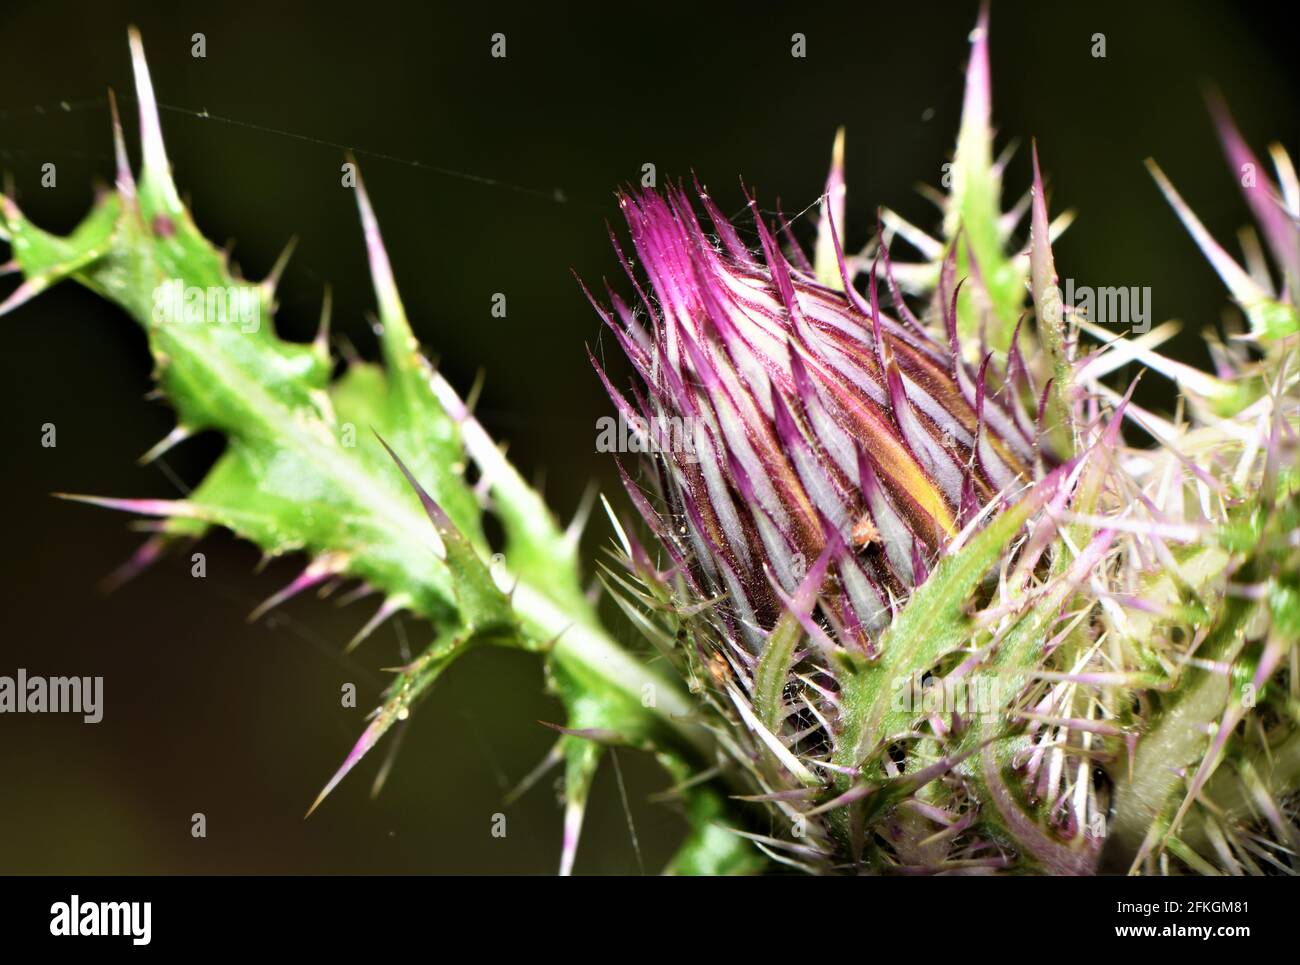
<point x="820" y="429"/>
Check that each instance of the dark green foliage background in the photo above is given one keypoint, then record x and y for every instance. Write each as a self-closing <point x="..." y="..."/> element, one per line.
<point x="204" y="712"/>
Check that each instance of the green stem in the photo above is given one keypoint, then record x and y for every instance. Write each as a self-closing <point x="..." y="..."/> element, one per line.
<point x="588" y="648"/>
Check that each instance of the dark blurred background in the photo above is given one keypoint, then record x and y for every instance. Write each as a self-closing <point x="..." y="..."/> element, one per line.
<point x="206" y="713"/>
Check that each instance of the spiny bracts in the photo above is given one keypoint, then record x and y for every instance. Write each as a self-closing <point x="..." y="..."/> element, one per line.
<point x="944" y="616"/>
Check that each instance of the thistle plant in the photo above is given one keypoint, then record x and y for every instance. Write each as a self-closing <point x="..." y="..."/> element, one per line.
<point x="927" y="590"/>
<point x="944" y="616"/>
<point x="365" y="475"/>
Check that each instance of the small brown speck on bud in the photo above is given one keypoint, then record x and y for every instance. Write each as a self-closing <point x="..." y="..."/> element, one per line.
<point x="718" y="668"/>
<point x="865" y="532"/>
